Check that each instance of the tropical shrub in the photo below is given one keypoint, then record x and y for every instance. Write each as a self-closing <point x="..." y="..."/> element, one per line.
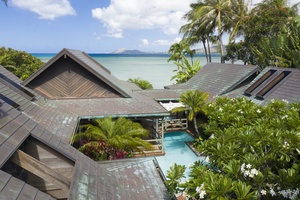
<point x="174" y="176"/>
<point x="109" y="139"/>
<point x="193" y="101"/>
<point x="143" y="84"/>
<point x="185" y="70"/>
<point x="253" y="152"/>
<point x="20" y="63"/>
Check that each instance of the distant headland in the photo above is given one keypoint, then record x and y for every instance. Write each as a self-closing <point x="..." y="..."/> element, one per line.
<point x="135" y="51"/>
<point x="126" y="51"/>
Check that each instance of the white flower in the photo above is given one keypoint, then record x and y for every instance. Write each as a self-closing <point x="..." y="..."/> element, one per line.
<point x="210" y="105"/>
<point x="263" y="192"/>
<point x="198" y="190"/>
<point x="243" y="167"/>
<point x="220" y="109"/>
<point x="285" y="101"/>
<point x="207" y="159"/>
<point x="283" y="193"/>
<point x="212" y="136"/>
<point x="254" y="172"/>
<point x="285" y="145"/>
<point x="272" y="192"/>
<point x="202" y="194"/>
<point x="258" y="111"/>
<point x="247" y="173"/>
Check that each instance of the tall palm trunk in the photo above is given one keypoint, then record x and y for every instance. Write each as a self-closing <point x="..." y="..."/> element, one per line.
<point x="195" y="126"/>
<point x="208" y="47"/>
<point x="205" y="49"/>
<point x="221" y="49"/>
<point x="220" y="38"/>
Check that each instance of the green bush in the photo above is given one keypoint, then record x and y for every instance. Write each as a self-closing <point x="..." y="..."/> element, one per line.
<point x="143" y="84"/>
<point x="253" y="152"/>
<point x="20" y="63"/>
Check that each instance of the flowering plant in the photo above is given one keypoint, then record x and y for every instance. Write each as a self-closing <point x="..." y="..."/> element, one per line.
<point x="253" y="154"/>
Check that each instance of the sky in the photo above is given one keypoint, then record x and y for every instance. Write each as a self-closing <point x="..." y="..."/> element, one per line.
<point x="93" y="26"/>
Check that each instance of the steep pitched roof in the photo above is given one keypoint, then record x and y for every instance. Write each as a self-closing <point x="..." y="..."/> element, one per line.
<point x="219" y="79"/>
<point x="36" y="107"/>
<point x="129" y="179"/>
<point x="85" y="62"/>
<point x="127" y="107"/>
<point x="275" y="83"/>
<point x="120" y="179"/>
<point x="38" y="121"/>
<point x="163" y="94"/>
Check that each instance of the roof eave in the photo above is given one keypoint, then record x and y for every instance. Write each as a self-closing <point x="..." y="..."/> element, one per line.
<point x="126" y="115"/>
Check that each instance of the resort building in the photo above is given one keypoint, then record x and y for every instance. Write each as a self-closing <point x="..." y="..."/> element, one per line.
<point x="39" y="116"/>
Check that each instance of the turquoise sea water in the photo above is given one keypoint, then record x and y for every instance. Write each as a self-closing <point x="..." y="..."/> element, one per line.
<point x="154" y="68"/>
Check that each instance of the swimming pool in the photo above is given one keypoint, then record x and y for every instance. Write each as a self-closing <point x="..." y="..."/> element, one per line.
<point x="177" y="152"/>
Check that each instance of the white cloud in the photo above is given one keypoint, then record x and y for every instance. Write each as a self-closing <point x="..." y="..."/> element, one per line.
<point x="145" y="42"/>
<point x="46" y="9"/>
<point x="167" y="42"/>
<point x="164" y="15"/>
<point x="162" y="42"/>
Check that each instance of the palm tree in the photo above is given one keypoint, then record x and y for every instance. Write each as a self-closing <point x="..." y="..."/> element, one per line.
<point x="193" y="101"/>
<point x="195" y="31"/>
<point x="111" y="136"/>
<point x="177" y="50"/>
<point x="210" y="15"/>
<point x="239" y="13"/>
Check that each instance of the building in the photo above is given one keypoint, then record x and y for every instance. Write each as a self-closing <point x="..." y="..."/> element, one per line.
<point x="39" y="116"/>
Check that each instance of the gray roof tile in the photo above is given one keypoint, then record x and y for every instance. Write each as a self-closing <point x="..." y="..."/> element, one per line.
<point x="218" y="79"/>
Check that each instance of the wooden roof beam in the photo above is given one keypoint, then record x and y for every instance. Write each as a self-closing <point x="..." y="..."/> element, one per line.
<point x="38" y="168"/>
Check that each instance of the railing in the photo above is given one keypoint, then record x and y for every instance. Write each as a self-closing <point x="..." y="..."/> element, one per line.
<point x="176" y="124"/>
<point x="156" y="142"/>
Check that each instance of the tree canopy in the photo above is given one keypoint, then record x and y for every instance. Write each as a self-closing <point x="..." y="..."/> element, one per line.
<point x="143" y="84"/>
<point x="257" y="28"/>
<point x="193" y="101"/>
<point x="20" y="63"/>
<point x="108" y="138"/>
<point x="252" y="152"/>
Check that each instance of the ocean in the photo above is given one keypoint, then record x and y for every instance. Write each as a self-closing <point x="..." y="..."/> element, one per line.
<point x="154" y="68"/>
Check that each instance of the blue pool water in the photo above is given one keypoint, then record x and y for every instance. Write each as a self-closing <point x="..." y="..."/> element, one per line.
<point x="177" y="152"/>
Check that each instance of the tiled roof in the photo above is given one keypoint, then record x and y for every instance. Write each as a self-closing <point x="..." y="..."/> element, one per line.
<point x="111" y="180"/>
<point x="90" y="108"/>
<point x="288" y="88"/>
<point x="52" y="124"/>
<point x="15" y="128"/>
<point x="44" y="112"/>
<point x="163" y="94"/>
<point x="12" y="188"/>
<point x="120" y="179"/>
<point x="218" y="79"/>
<point x="89" y="64"/>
